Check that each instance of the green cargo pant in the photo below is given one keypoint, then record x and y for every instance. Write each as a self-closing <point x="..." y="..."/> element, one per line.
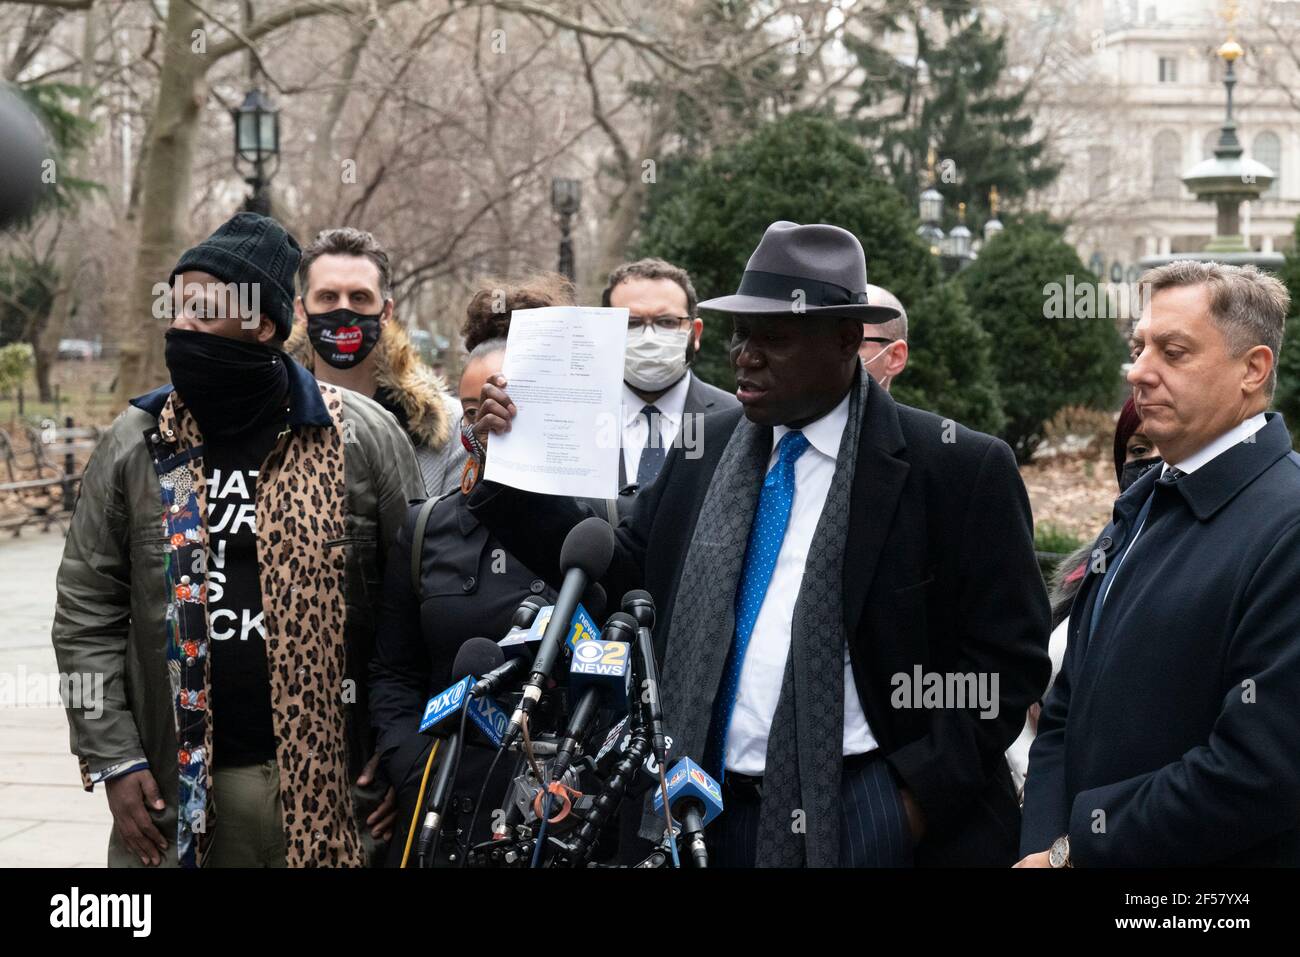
<point x="249" y="829"/>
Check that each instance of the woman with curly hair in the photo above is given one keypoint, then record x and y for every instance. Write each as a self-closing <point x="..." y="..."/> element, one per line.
<point x="466" y="586"/>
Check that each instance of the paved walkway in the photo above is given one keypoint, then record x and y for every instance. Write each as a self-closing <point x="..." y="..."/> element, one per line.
<point x="46" y="819"/>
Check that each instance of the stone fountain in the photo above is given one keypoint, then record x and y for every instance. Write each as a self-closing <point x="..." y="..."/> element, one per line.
<point x="1227" y="179"/>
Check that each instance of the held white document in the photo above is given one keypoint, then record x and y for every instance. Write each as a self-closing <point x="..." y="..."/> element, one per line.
<point x="564" y="372"/>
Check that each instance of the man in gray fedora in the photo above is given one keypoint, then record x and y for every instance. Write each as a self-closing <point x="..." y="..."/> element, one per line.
<point x="851" y="621"/>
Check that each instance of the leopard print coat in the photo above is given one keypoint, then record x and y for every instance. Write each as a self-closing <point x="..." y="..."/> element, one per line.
<point x="335" y="490"/>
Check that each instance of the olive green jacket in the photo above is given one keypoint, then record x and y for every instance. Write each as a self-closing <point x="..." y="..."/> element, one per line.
<point x="323" y="538"/>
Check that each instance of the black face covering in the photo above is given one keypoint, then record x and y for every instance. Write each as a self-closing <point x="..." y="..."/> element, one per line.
<point x="1132" y="471"/>
<point x="343" y="338"/>
<point x="229" y="385"/>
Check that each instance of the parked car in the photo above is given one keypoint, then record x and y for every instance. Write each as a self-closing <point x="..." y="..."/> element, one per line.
<point x="82" y="349"/>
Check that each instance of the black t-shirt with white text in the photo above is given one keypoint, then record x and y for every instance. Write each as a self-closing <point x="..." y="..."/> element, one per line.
<point x="242" y="729"/>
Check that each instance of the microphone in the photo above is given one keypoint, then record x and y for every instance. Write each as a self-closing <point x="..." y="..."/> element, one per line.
<point x="600" y="674"/>
<point x="585" y="556"/>
<point x="527" y="611"/>
<point x="513" y="646"/>
<point x="645" y="775"/>
<point x="474" y="657"/>
<point x="21" y="184"/>
<point x="695" y="799"/>
<point x="619" y="627"/>
<point x="641" y="606"/>
<point x="522" y="641"/>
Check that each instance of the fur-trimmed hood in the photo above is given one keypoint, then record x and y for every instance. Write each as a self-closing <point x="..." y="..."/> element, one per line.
<point x="421" y="393"/>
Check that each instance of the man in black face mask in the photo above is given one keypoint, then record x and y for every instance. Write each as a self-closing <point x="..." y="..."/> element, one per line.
<point x="222" y="573"/>
<point x="347" y="336"/>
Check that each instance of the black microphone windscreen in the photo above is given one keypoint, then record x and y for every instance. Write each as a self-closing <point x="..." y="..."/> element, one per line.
<point x="640" y="604"/>
<point x="527" y="611"/>
<point x="620" y="626"/>
<point x="589" y="546"/>
<point x="476" y="657"/>
<point x="21" y="159"/>
<point x="594" y="600"/>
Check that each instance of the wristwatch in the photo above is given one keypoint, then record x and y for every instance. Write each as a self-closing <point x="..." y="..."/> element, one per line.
<point x="1059" y="855"/>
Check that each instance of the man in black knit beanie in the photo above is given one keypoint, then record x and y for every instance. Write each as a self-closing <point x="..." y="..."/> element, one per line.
<point x="221" y="572"/>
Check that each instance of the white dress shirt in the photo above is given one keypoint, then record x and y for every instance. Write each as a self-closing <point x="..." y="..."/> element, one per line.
<point x="636" y="430"/>
<point x="1235" y="435"/>
<point x="769" y="645"/>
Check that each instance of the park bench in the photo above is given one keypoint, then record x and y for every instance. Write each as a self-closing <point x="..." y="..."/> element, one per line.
<point x="41" y="479"/>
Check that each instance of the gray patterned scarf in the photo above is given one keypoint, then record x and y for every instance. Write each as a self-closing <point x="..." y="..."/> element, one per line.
<point x="799" y="819"/>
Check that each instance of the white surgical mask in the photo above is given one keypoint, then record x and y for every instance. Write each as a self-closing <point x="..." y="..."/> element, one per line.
<point x="654" y="360"/>
<point x="884" y="382"/>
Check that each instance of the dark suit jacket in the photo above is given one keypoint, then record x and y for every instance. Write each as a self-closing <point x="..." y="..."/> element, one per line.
<point x="1172" y="735"/>
<point x="940" y="573"/>
<point x="701" y="399"/>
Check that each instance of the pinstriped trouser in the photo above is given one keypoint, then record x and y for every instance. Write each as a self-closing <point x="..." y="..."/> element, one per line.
<point x="873" y="822"/>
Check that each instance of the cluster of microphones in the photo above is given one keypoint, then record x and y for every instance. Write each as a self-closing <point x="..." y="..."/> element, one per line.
<point x="576" y="709"/>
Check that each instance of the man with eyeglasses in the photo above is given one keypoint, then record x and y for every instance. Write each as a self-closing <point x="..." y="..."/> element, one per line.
<point x="660" y="393"/>
<point x="884" y="344"/>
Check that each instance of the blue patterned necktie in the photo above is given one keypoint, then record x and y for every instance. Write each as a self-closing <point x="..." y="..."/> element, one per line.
<point x="765" y="538"/>
<point x="652" y="456"/>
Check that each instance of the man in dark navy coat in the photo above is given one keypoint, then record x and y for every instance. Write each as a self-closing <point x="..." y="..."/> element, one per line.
<point x="1172" y="735"/>
<point x="898" y="549"/>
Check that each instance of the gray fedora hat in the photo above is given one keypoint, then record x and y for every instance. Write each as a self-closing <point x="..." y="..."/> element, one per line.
<point x="813" y="270"/>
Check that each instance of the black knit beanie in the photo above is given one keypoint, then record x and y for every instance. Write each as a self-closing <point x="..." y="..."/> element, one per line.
<point x="249" y="248"/>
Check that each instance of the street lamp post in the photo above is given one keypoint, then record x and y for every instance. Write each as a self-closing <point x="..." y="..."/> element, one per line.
<point x="994" y="225"/>
<point x="257" y="148"/>
<point x="931" y="212"/>
<point x="958" y="249"/>
<point x="566" y="200"/>
<point x="959" y="237"/>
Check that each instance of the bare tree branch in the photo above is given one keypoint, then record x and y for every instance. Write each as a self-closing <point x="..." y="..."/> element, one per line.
<point x="427" y="32"/>
<point x="35" y="33"/>
<point x="64" y="4"/>
<point x="661" y="50"/>
<point x="245" y="41"/>
<point x="301" y="11"/>
<point x="598" y="111"/>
